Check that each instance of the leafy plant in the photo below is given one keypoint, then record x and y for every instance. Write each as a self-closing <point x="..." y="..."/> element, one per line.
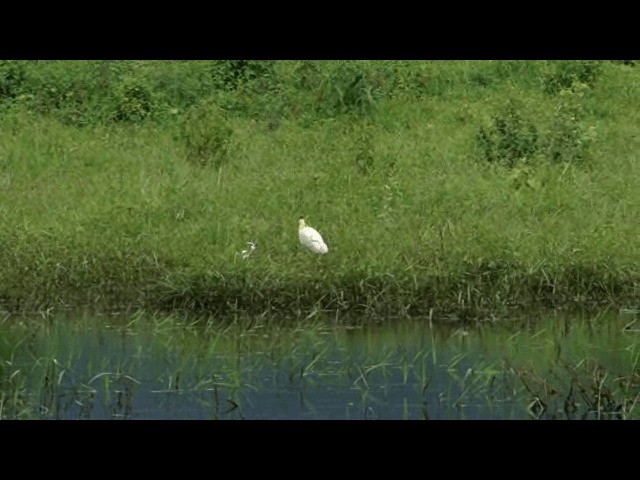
<point x="566" y="73"/>
<point x="134" y="101"/>
<point x="11" y="78"/>
<point x="509" y="139"/>
<point x="230" y="74"/>
<point x="348" y="89"/>
<point x="568" y="140"/>
<point x="206" y="134"/>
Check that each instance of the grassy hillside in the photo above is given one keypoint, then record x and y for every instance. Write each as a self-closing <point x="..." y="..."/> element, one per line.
<point x="447" y="187"/>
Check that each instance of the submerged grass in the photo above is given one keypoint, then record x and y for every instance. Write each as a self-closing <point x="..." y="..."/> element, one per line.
<point x="106" y="207"/>
<point x="560" y="366"/>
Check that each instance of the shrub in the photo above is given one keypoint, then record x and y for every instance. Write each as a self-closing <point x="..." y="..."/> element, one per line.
<point x="510" y="139"/>
<point x="566" y="73"/>
<point x="347" y="89"/>
<point x="206" y="134"/>
<point x="630" y="63"/>
<point x="230" y="74"/>
<point x="568" y="141"/>
<point x="308" y="75"/>
<point x="11" y="78"/>
<point x="75" y="92"/>
<point x="134" y="101"/>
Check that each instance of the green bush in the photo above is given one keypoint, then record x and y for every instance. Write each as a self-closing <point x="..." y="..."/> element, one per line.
<point x="307" y="75"/>
<point x="350" y="88"/>
<point x="11" y="78"/>
<point x="206" y="134"/>
<point x="75" y="92"/>
<point x="568" y="140"/>
<point x="231" y="74"/>
<point x="565" y="73"/>
<point x="134" y="101"/>
<point x="630" y="63"/>
<point x="510" y="139"/>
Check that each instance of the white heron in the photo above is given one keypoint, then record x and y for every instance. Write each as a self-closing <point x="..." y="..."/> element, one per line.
<point x="310" y="238"/>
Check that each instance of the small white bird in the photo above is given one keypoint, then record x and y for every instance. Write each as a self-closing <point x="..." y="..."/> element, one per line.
<point x="310" y="238"/>
<point x="246" y="253"/>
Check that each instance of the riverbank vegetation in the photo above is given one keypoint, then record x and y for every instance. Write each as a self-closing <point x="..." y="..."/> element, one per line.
<point x="445" y="188"/>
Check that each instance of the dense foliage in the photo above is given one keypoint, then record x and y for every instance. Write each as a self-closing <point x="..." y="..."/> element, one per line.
<point x="439" y="186"/>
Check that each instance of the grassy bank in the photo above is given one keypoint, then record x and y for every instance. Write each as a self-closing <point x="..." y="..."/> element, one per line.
<point x="450" y="187"/>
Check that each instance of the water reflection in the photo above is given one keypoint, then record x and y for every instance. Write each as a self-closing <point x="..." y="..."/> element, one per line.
<point x="556" y="367"/>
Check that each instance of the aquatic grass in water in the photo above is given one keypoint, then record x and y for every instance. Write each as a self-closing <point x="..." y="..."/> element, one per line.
<point x="173" y="367"/>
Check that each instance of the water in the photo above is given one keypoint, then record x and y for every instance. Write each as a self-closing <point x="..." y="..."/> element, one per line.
<point x="556" y="366"/>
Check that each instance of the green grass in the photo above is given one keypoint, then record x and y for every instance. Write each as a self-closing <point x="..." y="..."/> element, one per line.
<point x="114" y="213"/>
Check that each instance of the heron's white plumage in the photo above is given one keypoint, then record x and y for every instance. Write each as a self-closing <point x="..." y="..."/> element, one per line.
<point x="310" y="238"/>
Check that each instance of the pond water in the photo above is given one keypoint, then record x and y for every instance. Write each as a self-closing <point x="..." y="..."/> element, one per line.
<point x="542" y="367"/>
